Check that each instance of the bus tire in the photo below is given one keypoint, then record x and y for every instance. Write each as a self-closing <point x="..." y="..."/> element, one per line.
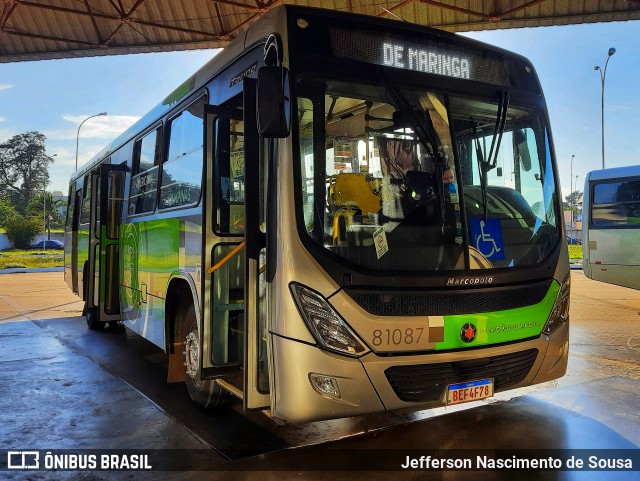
<point x="205" y="392"/>
<point x="91" y="315"/>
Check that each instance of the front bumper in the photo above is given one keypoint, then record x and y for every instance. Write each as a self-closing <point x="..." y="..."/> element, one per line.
<point x="364" y="385"/>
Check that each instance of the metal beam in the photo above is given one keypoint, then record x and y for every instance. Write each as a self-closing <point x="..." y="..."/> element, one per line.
<point x="238" y="4"/>
<point x="93" y="20"/>
<point x="387" y="11"/>
<point x="47" y="37"/>
<point x="217" y="7"/>
<point x="124" y="19"/>
<point x="179" y="29"/>
<point x="517" y="9"/>
<point x="267" y="6"/>
<point x="12" y="7"/>
<point x="55" y="8"/>
<point x="576" y="18"/>
<point x="453" y="8"/>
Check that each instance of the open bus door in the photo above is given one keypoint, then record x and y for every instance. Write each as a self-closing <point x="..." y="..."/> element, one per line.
<point x="111" y="197"/>
<point x="103" y="302"/>
<point x="71" y="239"/>
<point x="256" y="373"/>
<point x="231" y="338"/>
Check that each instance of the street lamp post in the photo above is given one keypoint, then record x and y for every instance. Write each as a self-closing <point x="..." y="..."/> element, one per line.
<point x="575" y="204"/>
<point x="44" y="215"/>
<point x="78" y="136"/>
<point x="571" y="193"/>
<point x="603" y="74"/>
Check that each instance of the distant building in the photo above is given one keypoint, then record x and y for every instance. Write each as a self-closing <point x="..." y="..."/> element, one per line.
<point x="573" y="229"/>
<point x="58" y="196"/>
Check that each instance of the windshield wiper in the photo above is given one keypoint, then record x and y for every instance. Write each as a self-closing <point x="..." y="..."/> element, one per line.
<point x="490" y="163"/>
<point x="403" y="106"/>
<point x="424" y="135"/>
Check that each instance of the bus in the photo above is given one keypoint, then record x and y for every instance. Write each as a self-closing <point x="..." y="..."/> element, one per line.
<point x="337" y="215"/>
<point x="611" y="224"/>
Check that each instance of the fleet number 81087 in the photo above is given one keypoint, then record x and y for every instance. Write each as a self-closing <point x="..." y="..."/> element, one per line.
<point x="397" y="337"/>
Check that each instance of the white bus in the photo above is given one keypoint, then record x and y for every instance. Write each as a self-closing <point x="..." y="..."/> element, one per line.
<point x="611" y="223"/>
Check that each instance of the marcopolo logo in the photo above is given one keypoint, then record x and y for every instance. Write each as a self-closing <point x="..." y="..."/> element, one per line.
<point x="468" y="281"/>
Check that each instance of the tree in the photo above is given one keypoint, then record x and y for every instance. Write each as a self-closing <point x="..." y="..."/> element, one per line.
<point x="573" y="199"/>
<point x="44" y="208"/>
<point x="22" y="230"/>
<point x="24" y="168"/>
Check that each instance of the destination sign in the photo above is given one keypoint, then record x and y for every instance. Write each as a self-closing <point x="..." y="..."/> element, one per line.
<point x="424" y="53"/>
<point x="403" y="56"/>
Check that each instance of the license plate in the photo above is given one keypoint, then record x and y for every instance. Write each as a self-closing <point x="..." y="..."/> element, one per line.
<point x="469" y="391"/>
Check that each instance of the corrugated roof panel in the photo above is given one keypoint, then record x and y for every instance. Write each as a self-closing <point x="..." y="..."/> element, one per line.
<point x="33" y="30"/>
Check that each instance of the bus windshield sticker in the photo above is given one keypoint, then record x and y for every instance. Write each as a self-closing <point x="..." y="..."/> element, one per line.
<point x="237" y="163"/>
<point x="380" y="241"/>
<point x="487" y="237"/>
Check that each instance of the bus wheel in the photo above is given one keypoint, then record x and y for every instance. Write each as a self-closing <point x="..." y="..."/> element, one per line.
<point x="91" y="314"/>
<point x="204" y="392"/>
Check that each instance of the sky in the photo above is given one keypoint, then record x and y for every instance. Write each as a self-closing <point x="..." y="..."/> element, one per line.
<point x="54" y="96"/>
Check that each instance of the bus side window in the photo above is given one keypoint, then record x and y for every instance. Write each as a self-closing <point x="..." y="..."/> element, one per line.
<point x="616" y="204"/>
<point x="144" y="183"/>
<point x="182" y="170"/>
<point x="68" y="225"/>
<point x="230" y="176"/>
<point x="85" y="212"/>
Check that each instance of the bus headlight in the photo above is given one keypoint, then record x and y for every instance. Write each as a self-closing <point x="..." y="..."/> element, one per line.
<point x="326" y="325"/>
<point x="560" y="312"/>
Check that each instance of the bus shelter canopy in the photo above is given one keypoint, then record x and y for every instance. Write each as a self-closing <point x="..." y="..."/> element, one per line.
<point x="50" y="29"/>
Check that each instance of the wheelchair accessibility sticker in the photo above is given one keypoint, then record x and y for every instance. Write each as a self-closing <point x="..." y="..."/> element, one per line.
<point x="487" y="238"/>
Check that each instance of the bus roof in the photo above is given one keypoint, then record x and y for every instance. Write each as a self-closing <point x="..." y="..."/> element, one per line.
<point x="614" y="173"/>
<point x="272" y="21"/>
<point x="252" y="35"/>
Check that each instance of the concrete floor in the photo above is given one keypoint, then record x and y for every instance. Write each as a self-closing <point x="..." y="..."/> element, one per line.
<point x="65" y="387"/>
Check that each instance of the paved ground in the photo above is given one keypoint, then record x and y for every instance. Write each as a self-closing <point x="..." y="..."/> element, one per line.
<point x="64" y="386"/>
<point x="43" y="295"/>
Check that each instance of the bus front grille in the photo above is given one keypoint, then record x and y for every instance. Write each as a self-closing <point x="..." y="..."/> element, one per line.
<point x="449" y="302"/>
<point x="427" y="382"/>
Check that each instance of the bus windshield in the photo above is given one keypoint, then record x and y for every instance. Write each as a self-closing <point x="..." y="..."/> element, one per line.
<point x="399" y="178"/>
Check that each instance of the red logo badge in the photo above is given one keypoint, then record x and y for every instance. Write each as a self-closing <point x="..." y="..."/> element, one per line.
<point x="468" y="332"/>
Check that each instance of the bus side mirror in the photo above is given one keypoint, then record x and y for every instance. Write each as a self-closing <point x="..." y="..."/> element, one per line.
<point x="274" y="102"/>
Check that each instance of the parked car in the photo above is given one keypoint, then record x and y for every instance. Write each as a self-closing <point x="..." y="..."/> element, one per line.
<point x="47" y="244"/>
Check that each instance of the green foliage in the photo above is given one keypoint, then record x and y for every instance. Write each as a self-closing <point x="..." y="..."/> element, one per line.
<point x="43" y="202"/>
<point x="573" y="199"/>
<point x="22" y="230"/>
<point x="24" y="168"/>
<point x="575" y="252"/>
<point x="29" y="258"/>
<point x="7" y="212"/>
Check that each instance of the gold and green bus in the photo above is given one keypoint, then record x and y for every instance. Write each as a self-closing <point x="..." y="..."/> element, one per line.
<point x="337" y="215"/>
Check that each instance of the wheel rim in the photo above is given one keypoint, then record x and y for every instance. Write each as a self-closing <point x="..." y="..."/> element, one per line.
<point x="192" y="355"/>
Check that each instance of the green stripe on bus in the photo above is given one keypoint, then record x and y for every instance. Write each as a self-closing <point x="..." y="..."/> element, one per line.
<point x="498" y="327"/>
